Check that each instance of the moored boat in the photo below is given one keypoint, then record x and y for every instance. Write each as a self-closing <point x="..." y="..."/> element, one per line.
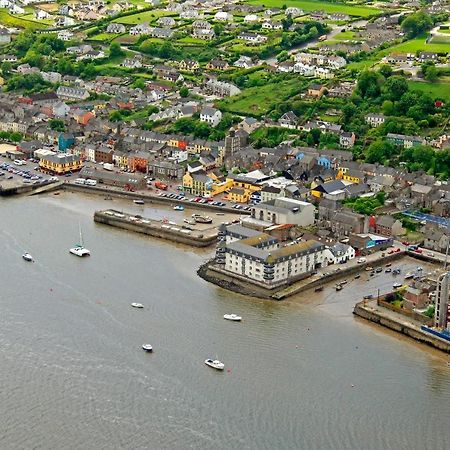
<point x="137" y="305"/>
<point x="27" y="257"/>
<point x="409" y="275"/>
<point x="139" y="201"/>
<point x="338" y="287"/>
<point x="368" y="268"/>
<point x="215" y="364"/>
<point x="79" y="249"/>
<point x="368" y="297"/>
<point x="233" y="317"/>
<point x="397" y="285"/>
<point x="147" y="348"/>
<point x="318" y="289"/>
<point x="190" y="221"/>
<point x="357" y="276"/>
<point x="199" y="218"/>
<point x="178" y="208"/>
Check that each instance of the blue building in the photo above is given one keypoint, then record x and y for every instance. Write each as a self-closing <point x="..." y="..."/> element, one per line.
<point x="65" y="140"/>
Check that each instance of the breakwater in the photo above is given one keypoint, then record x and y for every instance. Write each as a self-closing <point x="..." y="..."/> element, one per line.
<point x="391" y="320"/>
<point x="157" y="228"/>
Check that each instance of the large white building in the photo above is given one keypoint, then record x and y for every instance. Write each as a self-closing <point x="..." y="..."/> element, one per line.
<point x="260" y="258"/>
<point x="283" y="210"/>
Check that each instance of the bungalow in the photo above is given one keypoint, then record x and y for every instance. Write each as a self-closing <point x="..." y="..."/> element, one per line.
<point x="293" y="11"/>
<point x="202" y="33"/>
<point x="162" y="33"/>
<point x="131" y="63"/>
<point x="166" y="22"/>
<point x="252" y="38"/>
<point x="65" y="35"/>
<point x="288" y="120"/>
<point x="115" y="28"/>
<point x="244" y="62"/>
<point x="202" y="24"/>
<point x="250" y="18"/>
<point x="272" y="25"/>
<point x="427" y="56"/>
<point x="223" y="16"/>
<point x="140" y="29"/>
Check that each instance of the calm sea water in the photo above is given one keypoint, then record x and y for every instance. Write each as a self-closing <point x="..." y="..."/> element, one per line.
<point x="300" y="374"/>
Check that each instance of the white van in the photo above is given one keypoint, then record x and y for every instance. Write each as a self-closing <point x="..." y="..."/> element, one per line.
<point x="80" y="181"/>
<point x="91" y="182"/>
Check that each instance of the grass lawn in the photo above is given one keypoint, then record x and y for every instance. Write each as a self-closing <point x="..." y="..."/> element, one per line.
<point x="103" y="37"/>
<point x="126" y="39"/>
<point x="312" y="5"/>
<point x="441" y="40"/>
<point x="189" y="40"/>
<point x="446" y="31"/>
<point x="415" y="45"/>
<point x="439" y="90"/>
<point x="344" y="36"/>
<point x="14" y="21"/>
<point x="143" y="17"/>
<point x="261" y="99"/>
<point x="42" y="21"/>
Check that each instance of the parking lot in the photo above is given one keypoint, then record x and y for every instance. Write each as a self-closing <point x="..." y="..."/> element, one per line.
<point x="23" y="172"/>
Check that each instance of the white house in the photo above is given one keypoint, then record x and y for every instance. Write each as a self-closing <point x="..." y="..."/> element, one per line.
<point x="249" y="18"/>
<point x="244" y="62"/>
<point x="211" y="116"/>
<point x="339" y="253"/>
<point x="223" y="16"/>
<point x="375" y="119"/>
<point x="65" y="35"/>
<point x="272" y="25"/>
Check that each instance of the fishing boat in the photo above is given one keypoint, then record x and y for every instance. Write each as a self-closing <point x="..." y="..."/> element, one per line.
<point x="147" y="348"/>
<point x="79" y="249"/>
<point x="199" y="218"/>
<point x="215" y="364"/>
<point x="318" y="289"/>
<point x="357" y="276"/>
<point x="379" y="269"/>
<point x="137" y="305"/>
<point x="397" y="285"/>
<point x="343" y="282"/>
<point x="27" y="257"/>
<point x="178" y="208"/>
<point x="190" y="221"/>
<point x="388" y="270"/>
<point x="139" y="201"/>
<point x="368" y="268"/>
<point x="233" y="317"/>
<point x="338" y="287"/>
<point x="409" y="275"/>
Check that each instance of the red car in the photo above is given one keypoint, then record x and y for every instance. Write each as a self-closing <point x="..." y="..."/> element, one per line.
<point x="397" y="250"/>
<point x="405" y="242"/>
<point x="418" y="250"/>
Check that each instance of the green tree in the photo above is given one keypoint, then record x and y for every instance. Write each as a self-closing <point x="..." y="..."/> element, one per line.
<point x="379" y="151"/>
<point x="57" y="124"/>
<point x="385" y="70"/>
<point x="431" y="73"/>
<point x="115" y="116"/>
<point x="368" y="84"/>
<point x="395" y="87"/>
<point x="115" y="51"/>
<point x="416" y="24"/>
<point x="184" y="92"/>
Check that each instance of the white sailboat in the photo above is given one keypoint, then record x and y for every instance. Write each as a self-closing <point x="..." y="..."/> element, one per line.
<point x="79" y="249"/>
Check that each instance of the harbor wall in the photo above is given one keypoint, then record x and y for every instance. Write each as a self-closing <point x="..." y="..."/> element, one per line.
<point x="154" y="229"/>
<point x="389" y="321"/>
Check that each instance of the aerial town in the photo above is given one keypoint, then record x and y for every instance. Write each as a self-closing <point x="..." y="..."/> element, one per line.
<point x="316" y="134"/>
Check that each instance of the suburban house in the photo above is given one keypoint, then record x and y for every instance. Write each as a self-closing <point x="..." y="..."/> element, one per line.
<point x="375" y="120"/>
<point x="316" y="90"/>
<point x="288" y="120"/>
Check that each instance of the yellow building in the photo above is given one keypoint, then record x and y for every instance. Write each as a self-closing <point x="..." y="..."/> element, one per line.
<point x="198" y="183"/>
<point x="61" y="163"/>
<point x="238" y="195"/>
<point x="239" y="183"/>
<point x="354" y="176"/>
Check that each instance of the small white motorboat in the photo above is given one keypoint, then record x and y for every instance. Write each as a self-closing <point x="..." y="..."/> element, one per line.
<point x="409" y="275"/>
<point x="397" y="285"/>
<point x="233" y="317"/>
<point x="27" y="257"/>
<point x="147" y="347"/>
<point x="139" y="201"/>
<point x="137" y="305"/>
<point x="215" y="364"/>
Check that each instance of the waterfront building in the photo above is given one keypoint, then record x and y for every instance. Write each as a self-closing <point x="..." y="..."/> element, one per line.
<point x="441" y="306"/>
<point x="60" y="163"/>
<point x="261" y="259"/>
<point x="283" y="210"/>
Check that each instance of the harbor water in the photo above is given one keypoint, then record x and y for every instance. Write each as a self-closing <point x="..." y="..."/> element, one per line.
<point x="299" y="374"/>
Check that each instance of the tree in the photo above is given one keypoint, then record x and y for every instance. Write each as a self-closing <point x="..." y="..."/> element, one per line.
<point x="431" y="73"/>
<point x="218" y="29"/>
<point x="115" y="116"/>
<point x="57" y="124"/>
<point x="368" y="84"/>
<point x="115" y="51"/>
<point x="184" y="92"/>
<point x="6" y="68"/>
<point x="287" y="23"/>
<point x="379" y="151"/>
<point x="395" y="87"/>
<point x="385" y="70"/>
<point x="416" y="24"/>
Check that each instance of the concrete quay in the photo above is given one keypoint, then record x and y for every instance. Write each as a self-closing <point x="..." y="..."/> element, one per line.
<point x="407" y="326"/>
<point x="157" y="228"/>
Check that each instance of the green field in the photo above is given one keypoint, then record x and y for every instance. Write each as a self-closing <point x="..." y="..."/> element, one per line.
<point x="312" y="5"/>
<point x="103" y="37"/>
<point x="439" y="90"/>
<point x="418" y="44"/>
<point x="14" y="21"/>
<point x="143" y="17"/>
<point x="189" y="40"/>
<point x="260" y="99"/>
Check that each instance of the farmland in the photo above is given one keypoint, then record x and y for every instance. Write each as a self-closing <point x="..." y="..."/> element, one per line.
<point x="312" y="5"/>
<point x="258" y="100"/>
<point x="14" y="21"/>
<point x="440" y="90"/>
<point x="417" y="45"/>
<point x="143" y="17"/>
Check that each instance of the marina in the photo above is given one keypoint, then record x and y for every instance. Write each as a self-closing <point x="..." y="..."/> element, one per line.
<point x="74" y="350"/>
